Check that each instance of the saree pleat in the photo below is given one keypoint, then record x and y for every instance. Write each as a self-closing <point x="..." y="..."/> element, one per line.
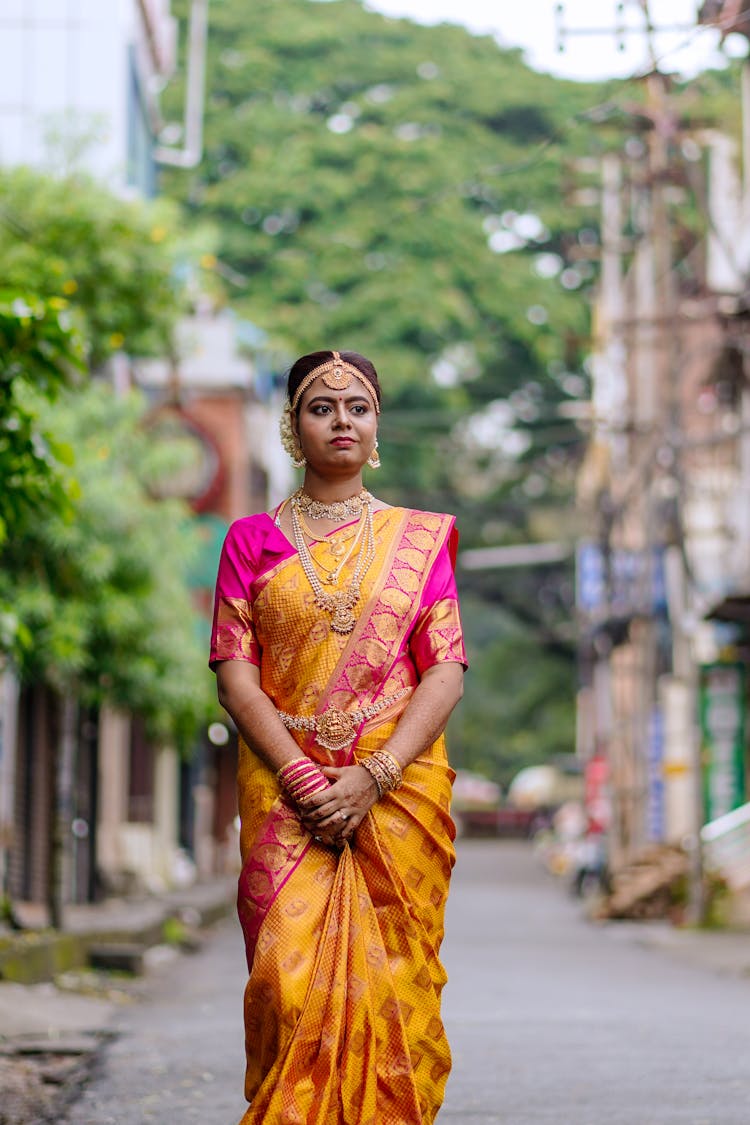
<point x="342" y="1005"/>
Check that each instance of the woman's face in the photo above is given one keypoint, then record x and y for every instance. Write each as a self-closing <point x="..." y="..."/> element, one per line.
<point x="336" y="429"/>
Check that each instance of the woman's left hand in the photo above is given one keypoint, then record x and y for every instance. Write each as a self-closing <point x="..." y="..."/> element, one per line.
<point x="338" y="812"/>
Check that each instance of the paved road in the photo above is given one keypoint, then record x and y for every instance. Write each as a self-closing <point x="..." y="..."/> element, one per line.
<point x="555" y="1020"/>
<point x="551" y="1020"/>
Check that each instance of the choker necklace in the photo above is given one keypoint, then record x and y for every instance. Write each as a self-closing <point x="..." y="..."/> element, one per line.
<point x="339" y="603"/>
<point x="338" y="510"/>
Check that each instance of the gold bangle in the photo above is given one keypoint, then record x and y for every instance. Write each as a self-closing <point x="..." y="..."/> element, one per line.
<point x="392" y="767"/>
<point x="374" y="770"/>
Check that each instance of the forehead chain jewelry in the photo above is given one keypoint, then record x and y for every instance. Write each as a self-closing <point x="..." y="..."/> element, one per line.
<point x="337" y="374"/>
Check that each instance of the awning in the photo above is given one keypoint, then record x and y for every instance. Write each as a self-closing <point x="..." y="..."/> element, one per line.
<point x="735" y="607"/>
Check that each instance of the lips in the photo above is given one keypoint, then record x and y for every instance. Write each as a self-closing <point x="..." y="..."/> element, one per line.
<point x="343" y="442"/>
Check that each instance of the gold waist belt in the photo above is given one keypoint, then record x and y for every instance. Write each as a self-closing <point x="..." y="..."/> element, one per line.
<point x="335" y="729"/>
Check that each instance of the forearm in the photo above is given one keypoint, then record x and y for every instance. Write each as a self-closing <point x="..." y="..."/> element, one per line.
<point x="427" y="713"/>
<point x="255" y="716"/>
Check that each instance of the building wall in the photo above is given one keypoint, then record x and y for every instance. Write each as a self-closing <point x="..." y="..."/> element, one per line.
<point x="223" y="416"/>
<point x="84" y="69"/>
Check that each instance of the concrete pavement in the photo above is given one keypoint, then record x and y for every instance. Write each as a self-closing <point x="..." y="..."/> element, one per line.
<point x="551" y="1019"/>
<point x="50" y="1036"/>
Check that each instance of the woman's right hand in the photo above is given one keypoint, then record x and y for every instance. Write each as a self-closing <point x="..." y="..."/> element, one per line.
<point x="335" y="814"/>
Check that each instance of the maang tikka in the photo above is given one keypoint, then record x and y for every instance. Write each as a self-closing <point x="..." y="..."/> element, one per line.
<point x="337" y="374"/>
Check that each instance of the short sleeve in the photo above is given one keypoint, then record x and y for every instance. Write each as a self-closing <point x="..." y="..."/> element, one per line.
<point x="437" y="637"/>
<point x="233" y="635"/>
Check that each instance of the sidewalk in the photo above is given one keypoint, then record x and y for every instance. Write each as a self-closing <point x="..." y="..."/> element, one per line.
<point x="726" y="952"/>
<point x="49" y="1035"/>
<point x="36" y="954"/>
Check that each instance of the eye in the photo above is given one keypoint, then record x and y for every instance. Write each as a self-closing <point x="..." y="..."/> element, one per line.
<point x="360" y="408"/>
<point x="321" y="408"/>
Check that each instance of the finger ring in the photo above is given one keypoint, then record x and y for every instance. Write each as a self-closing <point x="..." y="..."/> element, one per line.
<point x="343" y="815"/>
<point x="318" y="838"/>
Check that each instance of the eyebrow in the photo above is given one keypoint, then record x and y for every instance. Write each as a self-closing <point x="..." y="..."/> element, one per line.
<point x="334" y="398"/>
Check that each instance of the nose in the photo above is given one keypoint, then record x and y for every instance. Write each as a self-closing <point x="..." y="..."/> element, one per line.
<point x="341" y="415"/>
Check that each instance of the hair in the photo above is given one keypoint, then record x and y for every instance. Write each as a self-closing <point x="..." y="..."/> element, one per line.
<point x="305" y="364"/>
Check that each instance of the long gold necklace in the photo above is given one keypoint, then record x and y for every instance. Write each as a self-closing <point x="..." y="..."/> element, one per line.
<point x="336" y="543"/>
<point x="340" y="603"/>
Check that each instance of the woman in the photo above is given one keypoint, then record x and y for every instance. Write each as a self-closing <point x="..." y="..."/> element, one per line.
<point x="338" y="651"/>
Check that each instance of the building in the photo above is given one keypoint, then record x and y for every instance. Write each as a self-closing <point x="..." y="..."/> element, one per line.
<point x="664" y="575"/>
<point x="79" y="81"/>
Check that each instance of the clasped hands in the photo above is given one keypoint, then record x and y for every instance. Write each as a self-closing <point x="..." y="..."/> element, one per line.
<point x="334" y="814"/>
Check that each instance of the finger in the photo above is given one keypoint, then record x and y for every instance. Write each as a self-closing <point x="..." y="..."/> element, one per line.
<point x="316" y="799"/>
<point x="317" y="816"/>
<point x="332" y="771"/>
<point x="331" y="824"/>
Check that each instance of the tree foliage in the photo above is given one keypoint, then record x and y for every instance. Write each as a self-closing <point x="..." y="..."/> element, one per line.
<point x="39" y="355"/>
<point x="518" y="702"/>
<point x="111" y="263"/>
<point x="104" y="597"/>
<point x="358" y="169"/>
<point x="94" y="593"/>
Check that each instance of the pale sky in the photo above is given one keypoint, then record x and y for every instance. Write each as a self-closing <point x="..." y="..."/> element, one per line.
<point x="530" y="24"/>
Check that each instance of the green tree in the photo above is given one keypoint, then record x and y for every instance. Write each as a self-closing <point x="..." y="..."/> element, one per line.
<point x="111" y="263"/>
<point x="102" y="603"/>
<point x="93" y="583"/>
<point x="397" y="189"/>
<point x="364" y="173"/>
<point x="39" y="356"/>
<point x="105" y="595"/>
<point x="518" y="707"/>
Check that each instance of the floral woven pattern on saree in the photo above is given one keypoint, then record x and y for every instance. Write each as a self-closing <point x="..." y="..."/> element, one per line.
<point x="342" y="1007"/>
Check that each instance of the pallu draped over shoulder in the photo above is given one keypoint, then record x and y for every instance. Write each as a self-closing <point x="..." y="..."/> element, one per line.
<point x="342" y="1005"/>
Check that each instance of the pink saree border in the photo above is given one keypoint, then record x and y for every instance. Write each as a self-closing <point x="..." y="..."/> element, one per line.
<point x="261" y="880"/>
<point x="408" y="542"/>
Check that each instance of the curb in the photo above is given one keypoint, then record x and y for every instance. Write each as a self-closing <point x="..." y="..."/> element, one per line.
<point x="35" y="956"/>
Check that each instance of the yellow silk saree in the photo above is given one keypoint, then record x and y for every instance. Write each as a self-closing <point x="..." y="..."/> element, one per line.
<point x="342" y="1005"/>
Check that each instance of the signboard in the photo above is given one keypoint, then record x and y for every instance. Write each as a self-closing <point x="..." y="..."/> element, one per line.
<point x="620" y="583"/>
<point x="596" y="794"/>
<point x="722" y="715"/>
<point x="655" y="811"/>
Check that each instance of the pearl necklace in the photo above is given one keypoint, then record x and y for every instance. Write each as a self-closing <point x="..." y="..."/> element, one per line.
<point x="339" y="510"/>
<point x="341" y="603"/>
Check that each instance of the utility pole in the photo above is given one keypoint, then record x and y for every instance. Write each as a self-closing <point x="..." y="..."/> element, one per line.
<point x="621" y="30"/>
<point x="638" y="344"/>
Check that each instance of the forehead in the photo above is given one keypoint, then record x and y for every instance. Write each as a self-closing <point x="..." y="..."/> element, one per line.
<point x="318" y="389"/>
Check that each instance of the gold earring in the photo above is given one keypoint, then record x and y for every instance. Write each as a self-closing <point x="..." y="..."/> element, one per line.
<point x="298" y="458"/>
<point x="374" y="459"/>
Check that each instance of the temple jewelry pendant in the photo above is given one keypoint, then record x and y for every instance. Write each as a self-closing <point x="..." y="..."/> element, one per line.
<point x="343" y="620"/>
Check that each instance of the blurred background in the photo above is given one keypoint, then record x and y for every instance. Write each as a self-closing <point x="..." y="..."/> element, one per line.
<point x="534" y="220"/>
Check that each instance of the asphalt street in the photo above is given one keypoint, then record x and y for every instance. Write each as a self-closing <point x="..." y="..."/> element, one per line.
<point x="551" y="1020"/>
